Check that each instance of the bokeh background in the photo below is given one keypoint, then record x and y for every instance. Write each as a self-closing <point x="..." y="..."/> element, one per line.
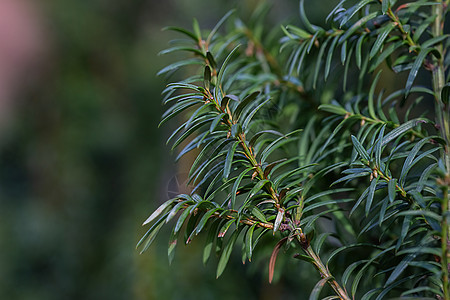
<point x="82" y="162"/>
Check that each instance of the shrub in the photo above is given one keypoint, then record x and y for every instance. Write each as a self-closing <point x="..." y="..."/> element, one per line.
<point x="322" y="139"/>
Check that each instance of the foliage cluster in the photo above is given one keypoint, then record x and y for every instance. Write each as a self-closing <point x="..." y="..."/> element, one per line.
<point x="298" y="135"/>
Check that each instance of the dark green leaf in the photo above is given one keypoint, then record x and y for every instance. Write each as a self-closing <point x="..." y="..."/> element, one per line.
<point x="198" y="166"/>
<point x="392" y="189"/>
<point x="207" y="77"/>
<point x="347" y="247"/>
<point x="381" y="37"/>
<point x="197" y="114"/>
<point x="344" y="52"/>
<point x="415" y="69"/>
<point x="222" y="71"/>
<point x="385" y="5"/>
<point x="348" y="271"/>
<point x="358" y="53"/>
<point x="257" y="213"/>
<point x="384" y="55"/>
<point x="244" y="103"/>
<point x="401" y="129"/>
<point x="229" y="160"/>
<point x="318" y="241"/>
<point x="201" y="224"/>
<point x="235" y="130"/>
<point x="277" y="144"/>
<point x="179" y="64"/>
<point x="330" y="56"/>
<point x="362" y="272"/>
<point x="318" y="288"/>
<point x="150" y="235"/>
<point x="226" y="100"/>
<point x="422" y="250"/>
<point x="371" y="96"/>
<point x="404" y="232"/>
<point x="182" y="30"/>
<point x="319" y="62"/>
<point x="355" y="9"/>
<point x="423" y="27"/>
<point x="370" y="195"/>
<point x="304" y="19"/>
<point x="433" y="41"/>
<point x="182" y="218"/>
<point x="211" y="60"/>
<point x="312" y="41"/>
<point x="378" y="148"/>
<point x="181" y="48"/>
<point x="409" y="159"/>
<point x="297" y="31"/>
<point x="445" y="94"/>
<point x="176" y="208"/>
<point x="199" y="123"/>
<point x="360" y="199"/>
<point x="212" y="236"/>
<point x="303" y="50"/>
<point x="269" y="167"/>
<point x="326" y="193"/>
<point x="303" y="257"/>
<point x="360" y="149"/>
<point x="179" y="108"/>
<point x="158" y="211"/>
<point x="400" y="268"/>
<point x="332" y="108"/>
<point x="258" y="134"/>
<point x="421" y="213"/>
<point x="216" y="122"/>
<point x="223" y="261"/>
<point x="249" y="241"/>
<point x="196" y="28"/>
<point x="294" y="57"/>
<point x="223" y="230"/>
<point x="258" y="187"/>
<point x="424" y="176"/>
<point x="236" y="185"/>
<point x="383" y="210"/>
<point x="173" y="240"/>
<point x="357" y="25"/>
<point x="250" y="116"/>
<point x="214" y="30"/>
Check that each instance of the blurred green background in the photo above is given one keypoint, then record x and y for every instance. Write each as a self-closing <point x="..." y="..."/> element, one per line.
<point x="83" y="162"/>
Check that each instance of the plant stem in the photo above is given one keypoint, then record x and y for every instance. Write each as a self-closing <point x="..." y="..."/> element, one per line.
<point x="442" y="119"/>
<point x="406" y="34"/>
<point x="444" y="245"/>
<point x="242" y="141"/>
<point x="324" y="272"/>
<point x="442" y="116"/>
<point x="386" y="178"/>
<point x="392" y="125"/>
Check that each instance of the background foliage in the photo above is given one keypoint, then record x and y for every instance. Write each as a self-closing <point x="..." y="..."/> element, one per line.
<point x="82" y="160"/>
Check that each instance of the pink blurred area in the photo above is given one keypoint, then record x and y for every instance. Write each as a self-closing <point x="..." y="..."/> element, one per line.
<point x="22" y="47"/>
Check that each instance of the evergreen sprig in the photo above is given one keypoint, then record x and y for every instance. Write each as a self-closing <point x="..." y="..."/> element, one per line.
<point x="273" y="154"/>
